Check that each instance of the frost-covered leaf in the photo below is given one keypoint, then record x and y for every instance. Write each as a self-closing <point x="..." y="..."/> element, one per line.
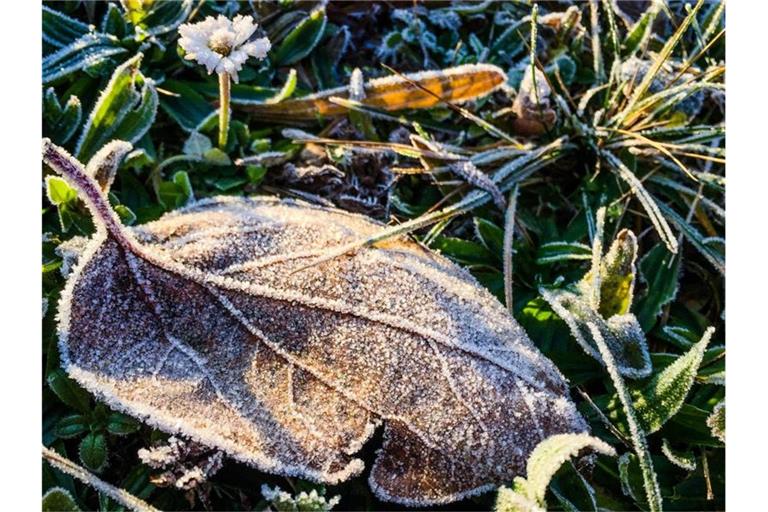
<point x="709" y="251"/>
<point x="93" y="451"/>
<point x="554" y="252"/>
<point x="71" y="426"/>
<point x="458" y="84"/>
<point x="121" y="425"/>
<point x="125" y="109"/>
<point x="89" y="52"/>
<point x="659" y="268"/>
<point x="197" y="144"/>
<point x="602" y="298"/>
<point x="61" y="123"/>
<point x="682" y="460"/>
<point x="617" y="281"/>
<point x="60" y="30"/>
<point x="301" y="40"/>
<point x="156" y="17"/>
<point x="542" y="465"/>
<point x="58" y="499"/>
<point x="666" y="393"/>
<point x="113" y="22"/>
<point x="304" y="501"/>
<point x="69" y="391"/>
<point x="622" y="333"/>
<point x="104" y="164"/>
<point x="716" y="421"/>
<point x="199" y="324"/>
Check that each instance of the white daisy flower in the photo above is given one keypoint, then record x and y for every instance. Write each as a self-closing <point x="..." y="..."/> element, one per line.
<point x="221" y="44"/>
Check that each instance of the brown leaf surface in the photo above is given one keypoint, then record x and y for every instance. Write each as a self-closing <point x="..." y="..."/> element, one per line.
<point x="455" y="85"/>
<point x="195" y="324"/>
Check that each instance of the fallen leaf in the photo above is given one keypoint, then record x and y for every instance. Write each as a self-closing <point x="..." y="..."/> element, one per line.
<point x="197" y="324"/>
<point x="456" y="85"/>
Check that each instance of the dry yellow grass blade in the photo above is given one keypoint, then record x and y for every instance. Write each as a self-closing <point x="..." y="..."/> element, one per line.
<point x="456" y="85"/>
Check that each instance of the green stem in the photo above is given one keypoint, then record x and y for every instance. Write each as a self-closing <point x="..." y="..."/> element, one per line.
<point x="652" y="491"/>
<point x="224" y="111"/>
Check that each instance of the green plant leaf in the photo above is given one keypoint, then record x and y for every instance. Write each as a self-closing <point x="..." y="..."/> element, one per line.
<point x="93" y="451"/>
<point x="177" y="192"/>
<point x="69" y="391"/>
<point x="90" y="52"/>
<point x="462" y="250"/>
<point x="71" y="426"/>
<point x="58" y="499"/>
<point x="125" y="110"/>
<point x="659" y="268"/>
<point x="197" y="144"/>
<point x="554" y="252"/>
<point x="528" y="493"/>
<point x="158" y="17"/>
<point x="682" y="460"/>
<point x="60" y="123"/>
<point x="113" y="22"/>
<point x="186" y="105"/>
<point x="121" y="425"/>
<point x="59" y="30"/>
<point x="59" y="191"/>
<point x="491" y="235"/>
<point x="617" y="280"/>
<point x="301" y="40"/>
<point x="666" y="393"/>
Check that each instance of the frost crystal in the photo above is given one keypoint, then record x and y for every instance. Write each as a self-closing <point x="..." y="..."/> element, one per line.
<point x="222" y="45"/>
<point x="305" y="502"/>
<point x="198" y="325"/>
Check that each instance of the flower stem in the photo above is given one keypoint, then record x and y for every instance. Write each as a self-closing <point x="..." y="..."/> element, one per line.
<point x="224" y="87"/>
<point x="651" y="484"/>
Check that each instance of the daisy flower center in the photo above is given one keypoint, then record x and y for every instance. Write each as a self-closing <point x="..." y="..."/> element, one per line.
<point x="222" y="42"/>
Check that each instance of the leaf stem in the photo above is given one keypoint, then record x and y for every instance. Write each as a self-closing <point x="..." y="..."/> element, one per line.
<point x="652" y="491"/>
<point x="509" y="235"/>
<point x="224" y="110"/>
<point x="89" y="190"/>
<point x="121" y="496"/>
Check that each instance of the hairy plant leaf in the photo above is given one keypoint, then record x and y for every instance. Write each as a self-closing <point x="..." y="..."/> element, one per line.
<point x="58" y="499"/>
<point x="665" y="394"/>
<point x="682" y="460"/>
<point x="542" y="465"/>
<point x="59" y="30"/>
<point x="121" y="425"/>
<point x="553" y="252"/>
<point x="93" y="451"/>
<point x="716" y="421"/>
<point x="602" y="299"/>
<point x="302" y="39"/>
<point x="201" y="324"/>
<point x="69" y="391"/>
<point x="88" y="52"/>
<point x="123" y="111"/>
<point x="459" y="84"/>
<point x="71" y="426"/>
